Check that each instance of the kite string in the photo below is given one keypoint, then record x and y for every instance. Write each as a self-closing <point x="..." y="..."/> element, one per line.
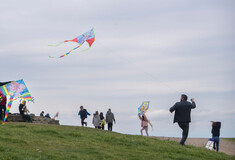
<point x="139" y="68"/>
<point x="56" y="44"/>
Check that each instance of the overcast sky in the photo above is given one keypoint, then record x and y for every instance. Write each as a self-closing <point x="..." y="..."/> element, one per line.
<point x="144" y="50"/>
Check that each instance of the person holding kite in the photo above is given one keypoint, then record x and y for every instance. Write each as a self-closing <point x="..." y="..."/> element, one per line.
<point x="183" y="115"/>
<point x="3" y="101"/>
<point x="215" y="134"/>
<point x="144" y="124"/>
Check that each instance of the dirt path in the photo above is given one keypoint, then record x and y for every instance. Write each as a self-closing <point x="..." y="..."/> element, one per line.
<point x="225" y="146"/>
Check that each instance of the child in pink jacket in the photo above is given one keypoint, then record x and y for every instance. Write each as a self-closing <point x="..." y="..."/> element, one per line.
<point x="144" y="124"/>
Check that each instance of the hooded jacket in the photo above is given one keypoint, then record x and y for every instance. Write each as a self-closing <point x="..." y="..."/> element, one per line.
<point x="96" y="120"/>
<point x="110" y="117"/>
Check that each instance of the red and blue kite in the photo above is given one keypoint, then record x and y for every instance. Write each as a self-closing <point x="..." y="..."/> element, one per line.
<point x="88" y="37"/>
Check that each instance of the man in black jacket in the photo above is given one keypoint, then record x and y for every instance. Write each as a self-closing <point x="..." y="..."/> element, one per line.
<point x="183" y="115"/>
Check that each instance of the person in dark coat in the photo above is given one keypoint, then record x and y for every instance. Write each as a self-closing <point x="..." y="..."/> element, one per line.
<point x="215" y="134"/>
<point x="42" y="114"/>
<point x="48" y="115"/>
<point x="110" y="119"/>
<point x="83" y="115"/>
<point x="183" y="115"/>
<point x="3" y="101"/>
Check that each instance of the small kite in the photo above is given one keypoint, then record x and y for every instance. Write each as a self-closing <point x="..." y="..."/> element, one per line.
<point x="16" y="89"/>
<point x="56" y="115"/>
<point x="209" y="144"/>
<point x="88" y="37"/>
<point x="143" y="108"/>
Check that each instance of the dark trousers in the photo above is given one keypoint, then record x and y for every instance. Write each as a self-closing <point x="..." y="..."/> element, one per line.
<point x="2" y="107"/>
<point x="185" y="128"/>
<point x="110" y="126"/>
<point x="83" y="122"/>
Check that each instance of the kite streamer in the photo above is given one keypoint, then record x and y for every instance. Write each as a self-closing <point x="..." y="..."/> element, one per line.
<point x="88" y="37"/>
<point x="56" y="116"/>
<point x="8" y="108"/>
<point x="143" y="108"/>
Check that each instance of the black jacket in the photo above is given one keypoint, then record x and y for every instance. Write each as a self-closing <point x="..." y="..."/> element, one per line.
<point x="183" y="111"/>
<point x="216" y="129"/>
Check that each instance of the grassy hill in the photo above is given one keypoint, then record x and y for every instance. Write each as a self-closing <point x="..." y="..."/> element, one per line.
<point x="33" y="141"/>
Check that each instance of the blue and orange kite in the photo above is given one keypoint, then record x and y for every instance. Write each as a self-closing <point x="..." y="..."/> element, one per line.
<point x="88" y="37"/>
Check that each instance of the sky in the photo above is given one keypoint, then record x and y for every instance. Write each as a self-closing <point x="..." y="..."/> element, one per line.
<point x="152" y="50"/>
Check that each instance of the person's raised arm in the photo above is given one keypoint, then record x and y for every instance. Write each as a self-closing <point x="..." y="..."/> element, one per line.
<point x="193" y="103"/>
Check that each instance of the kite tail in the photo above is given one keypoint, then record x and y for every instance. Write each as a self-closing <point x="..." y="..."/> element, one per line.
<point x="8" y="109"/>
<point x="66" y="53"/>
<point x="56" y="45"/>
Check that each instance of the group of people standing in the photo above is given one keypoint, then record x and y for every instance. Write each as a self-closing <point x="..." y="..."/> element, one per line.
<point x="98" y="120"/>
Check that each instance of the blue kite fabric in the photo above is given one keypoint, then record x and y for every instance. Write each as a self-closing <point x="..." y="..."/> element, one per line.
<point x="143" y="108"/>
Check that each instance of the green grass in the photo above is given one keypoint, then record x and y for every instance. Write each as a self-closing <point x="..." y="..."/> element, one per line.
<point x="229" y="139"/>
<point x="23" y="141"/>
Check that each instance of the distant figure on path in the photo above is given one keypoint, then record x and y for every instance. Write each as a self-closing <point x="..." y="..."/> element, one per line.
<point x="215" y="134"/>
<point x="110" y="119"/>
<point x="183" y="115"/>
<point x="42" y="114"/>
<point x="96" y="119"/>
<point x="144" y="124"/>
<point x="24" y="111"/>
<point x="83" y="115"/>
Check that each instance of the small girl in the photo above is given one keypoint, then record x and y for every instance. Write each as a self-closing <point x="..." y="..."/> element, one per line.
<point x="144" y="124"/>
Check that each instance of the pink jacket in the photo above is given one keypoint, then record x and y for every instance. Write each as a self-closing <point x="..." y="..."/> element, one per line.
<point x="144" y="123"/>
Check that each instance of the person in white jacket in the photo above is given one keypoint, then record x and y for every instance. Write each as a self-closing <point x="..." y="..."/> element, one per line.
<point x="96" y="119"/>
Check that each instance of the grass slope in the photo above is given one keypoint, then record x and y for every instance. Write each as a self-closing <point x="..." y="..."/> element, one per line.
<point x="32" y="141"/>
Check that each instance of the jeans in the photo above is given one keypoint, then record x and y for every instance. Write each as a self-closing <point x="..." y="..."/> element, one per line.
<point x="185" y="128"/>
<point x="216" y="142"/>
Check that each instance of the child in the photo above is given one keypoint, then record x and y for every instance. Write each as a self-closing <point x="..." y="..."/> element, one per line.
<point x="144" y="124"/>
<point x="215" y="134"/>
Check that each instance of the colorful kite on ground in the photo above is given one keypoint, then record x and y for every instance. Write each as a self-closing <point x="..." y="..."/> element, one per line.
<point x="209" y="144"/>
<point x="88" y="37"/>
<point x="143" y="108"/>
<point x="15" y="89"/>
<point x="56" y="115"/>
